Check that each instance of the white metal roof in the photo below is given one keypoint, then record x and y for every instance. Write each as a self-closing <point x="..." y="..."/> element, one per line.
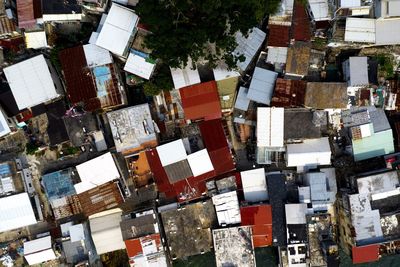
<point x="248" y="47"/>
<point x="310" y="152"/>
<point x="139" y="66"/>
<point x="394" y="8"/>
<point x="31" y="82"/>
<point x="93" y="38"/>
<point x="171" y="152"/>
<point x="296" y="213"/>
<point x="358" y="71"/>
<point x="200" y="162"/>
<point x="221" y="72"/>
<point x="319" y="9"/>
<point x="242" y="102"/>
<point x="4" y="129"/>
<point x="378" y="183"/>
<point x="227" y="208"/>
<point x="61" y="17"/>
<point x="254" y="185"/>
<point x="117" y="29"/>
<point x="38" y="250"/>
<point x="16" y="212"/>
<point x="106" y="232"/>
<point x="350" y="3"/>
<point x="96" y="172"/>
<point x="360" y="30"/>
<point x="277" y="54"/>
<point x="76" y="232"/>
<point x="262" y="86"/>
<point x="270" y="127"/>
<point x="388" y="31"/>
<point x="185" y="77"/>
<point x="35" y="40"/>
<point x="96" y="56"/>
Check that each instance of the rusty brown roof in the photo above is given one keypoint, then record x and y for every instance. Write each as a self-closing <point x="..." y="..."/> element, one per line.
<point x="322" y="95"/>
<point x="25" y="13"/>
<point x="298" y="58"/>
<point x="289" y="93"/>
<point x="301" y="25"/>
<point x="7" y="26"/>
<point x="278" y="35"/>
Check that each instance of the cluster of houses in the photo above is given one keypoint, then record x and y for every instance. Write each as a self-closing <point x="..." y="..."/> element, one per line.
<point x="296" y="148"/>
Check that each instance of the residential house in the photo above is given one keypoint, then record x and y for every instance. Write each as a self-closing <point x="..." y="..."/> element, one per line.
<point x="259" y="217"/>
<point x="227" y="208"/>
<point x="234" y="244"/>
<point x="298" y="59"/>
<point x="33" y="81"/>
<point x="386" y="8"/>
<point x="262" y="85"/>
<point x="369" y="131"/>
<point x="270" y="125"/>
<point x="254" y="185"/>
<point x="133" y="129"/>
<point x="106" y="232"/>
<point x="92" y="78"/>
<point x="355" y="71"/>
<point x="322" y="95"/>
<point x="116" y="34"/>
<point x="309" y="153"/>
<point x="39" y="250"/>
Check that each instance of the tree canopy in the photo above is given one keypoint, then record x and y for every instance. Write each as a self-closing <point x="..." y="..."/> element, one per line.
<point x="199" y="29"/>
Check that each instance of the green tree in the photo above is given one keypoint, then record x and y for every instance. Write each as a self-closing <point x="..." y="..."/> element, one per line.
<point x="199" y="29"/>
<point x="161" y="81"/>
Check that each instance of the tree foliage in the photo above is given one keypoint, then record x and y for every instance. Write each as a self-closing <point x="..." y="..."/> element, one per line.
<point x="161" y="81"/>
<point x="203" y="29"/>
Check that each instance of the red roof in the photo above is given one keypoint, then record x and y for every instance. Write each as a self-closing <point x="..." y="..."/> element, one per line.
<point x="134" y="246"/>
<point x="215" y="141"/>
<point x="26" y="16"/>
<point x="301" y="23"/>
<point x="289" y="93"/>
<point x="365" y="254"/>
<point x="260" y="218"/>
<point x="201" y="101"/>
<point x="278" y="35"/>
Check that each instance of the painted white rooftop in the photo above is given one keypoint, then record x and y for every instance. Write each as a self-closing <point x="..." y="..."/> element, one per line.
<point x="117" y="29"/>
<point x="200" y="162"/>
<point x="296" y="213"/>
<point x="96" y="56"/>
<point x="248" y="47"/>
<point x="16" y="212"/>
<point x="38" y="250"/>
<point x="242" y="102"/>
<point x="76" y="232"/>
<point x="262" y="86"/>
<point x="254" y="185"/>
<point x="309" y="153"/>
<point x="356" y="71"/>
<point x="31" y="82"/>
<point x="139" y="66"/>
<point x="270" y="127"/>
<point x="320" y="9"/>
<point x="185" y="77"/>
<point x="96" y="172"/>
<point x="360" y="30"/>
<point x="171" y="152"/>
<point x="388" y="31"/>
<point x="106" y="232"/>
<point x="227" y="208"/>
<point x="35" y="40"/>
<point x="221" y="72"/>
<point x="4" y="129"/>
<point x="277" y="54"/>
<point x="350" y="3"/>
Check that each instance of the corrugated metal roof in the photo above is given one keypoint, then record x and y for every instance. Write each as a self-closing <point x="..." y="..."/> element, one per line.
<point x="320" y="10"/>
<point x="289" y="93"/>
<point x="270" y="127"/>
<point x="248" y="46"/>
<point x="201" y="101"/>
<point x="322" y="95"/>
<point x="301" y="25"/>
<point x="242" y="102"/>
<point x="298" y="58"/>
<point x="387" y="31"/>
<point x="277" y="54"/>
<point x="260" y="218"/>
<point x="26" y="18"/>
<point x="117" y="29"/>
<point x="183" y="77"/>
<point x="360" y="30"/>
<point x="262" y="85"/>
<point x="278" y="35"/>
<point x="365" y="254"/>
<point x="139" y="66"/>
<point x="310" y="152"/>
<point x="254" y="185"/>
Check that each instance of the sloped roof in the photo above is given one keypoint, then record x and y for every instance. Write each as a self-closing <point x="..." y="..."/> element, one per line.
<point x="278" y="35"/>
<point x="365" y="254"/>
<point x="321" y="95"/>
<point x="360" y="30"/>
<point x="262" y="85"/>
<point x="117" y="29"/>
<point x="260" y="219"/>
<point x="301" y="25"/>
<point x="201" y="101"/>
<point x="298" y="58"/>
<point x="248" y="46"/>
<point x="289" y="93"/>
